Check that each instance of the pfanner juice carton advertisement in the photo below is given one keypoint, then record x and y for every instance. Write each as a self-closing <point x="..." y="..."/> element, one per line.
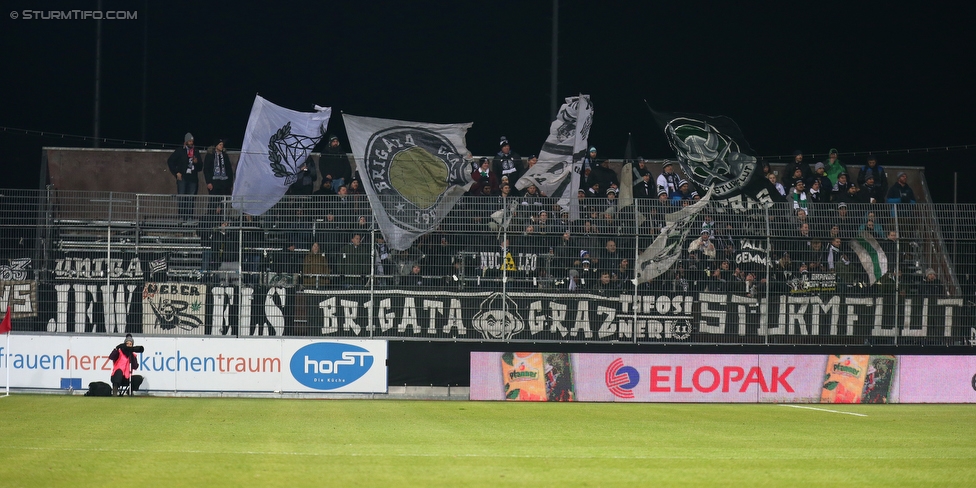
<point x="537" y="376"/>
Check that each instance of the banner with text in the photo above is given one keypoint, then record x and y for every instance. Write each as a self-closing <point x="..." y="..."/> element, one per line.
<point x="483" y="314"/>
<point x="728" y="378"/>
<point x="201" y="363"/>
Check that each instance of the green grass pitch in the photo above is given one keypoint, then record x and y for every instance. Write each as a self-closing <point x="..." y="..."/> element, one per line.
<point x="48" y="440"/>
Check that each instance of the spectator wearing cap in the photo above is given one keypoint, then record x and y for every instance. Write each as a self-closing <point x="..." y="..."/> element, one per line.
<point x="872" y="168"/>
<point x="685" y="191"/>
<point x="645" y="188"/>
<point x="900" y="192"/>
<point x="507" y="162"/>
<point x="704" y="246"/>
<point x="572" y="282"/>
<point x="833" y="166"/>
<point x="873" y="192"/>
<point x="590" y="161"/>
<point x="611" y="199"/>
<point x="851" y="195"/>
<point x="529" y="163"/>
<point x="797" y="163"/>
<point x="662" y="197"/>
<point x="218" y="171"/>
<point x="845" y="221"/>
<point x="790" y="179"/>
<point x="815" y="192"/>
<point x="335" y="164"/>
<point x="667" y="181"/>
<point x="484" y="177"/>
<point x="504" y="193"/>
<point x="931" y="286"/>
<point x="798" y="197"/>
<point x="185" y="164"/>
<point x="820" y="173"/>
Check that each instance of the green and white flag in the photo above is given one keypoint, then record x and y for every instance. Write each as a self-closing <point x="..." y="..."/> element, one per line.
<point x="413" y="172"/>
<point x="658" y="258"/>
<point x="871" y="255"/>
<point x="560" y="164"/>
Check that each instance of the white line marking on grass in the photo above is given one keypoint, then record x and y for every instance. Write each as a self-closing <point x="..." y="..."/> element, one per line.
<point x="825" y="410"/>
<point x="334" y="454"/>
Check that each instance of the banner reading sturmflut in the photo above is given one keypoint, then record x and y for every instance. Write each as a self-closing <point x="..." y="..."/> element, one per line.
<point x="413" y="172"/>
<point x="276" y="144"/>
<point x="557" y="173"/>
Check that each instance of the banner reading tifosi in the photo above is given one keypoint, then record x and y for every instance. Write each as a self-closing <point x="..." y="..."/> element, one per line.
<point x="730" y="378"/>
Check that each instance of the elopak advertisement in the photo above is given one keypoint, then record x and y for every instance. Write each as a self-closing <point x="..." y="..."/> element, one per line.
<point x="726" y="378"/>
<point x="200" y="363"/>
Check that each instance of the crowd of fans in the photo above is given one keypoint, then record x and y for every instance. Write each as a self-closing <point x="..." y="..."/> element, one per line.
<point x="325" y="237"/>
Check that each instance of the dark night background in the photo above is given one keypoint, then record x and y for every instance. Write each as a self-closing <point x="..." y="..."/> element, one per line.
<point x="876" y="77"/>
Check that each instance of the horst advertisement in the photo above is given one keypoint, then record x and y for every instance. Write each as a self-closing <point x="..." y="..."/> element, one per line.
<point x="727" y="378"/>
<point x="162" y="308"/>
<point x="200" y="363"/>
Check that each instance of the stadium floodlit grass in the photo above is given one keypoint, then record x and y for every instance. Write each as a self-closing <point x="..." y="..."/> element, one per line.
<point x="49" y="440"/>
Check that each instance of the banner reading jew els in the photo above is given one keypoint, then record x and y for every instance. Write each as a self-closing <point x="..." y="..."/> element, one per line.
<point x="276" y="144"/>
<point x="413" y="172"/>
<point x="729" y="378"/>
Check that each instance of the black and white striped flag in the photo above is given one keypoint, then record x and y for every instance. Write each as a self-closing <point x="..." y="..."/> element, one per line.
<point x="158" y="266"/>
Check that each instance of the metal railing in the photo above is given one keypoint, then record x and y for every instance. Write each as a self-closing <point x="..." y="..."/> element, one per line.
<point x="113" y="263"/>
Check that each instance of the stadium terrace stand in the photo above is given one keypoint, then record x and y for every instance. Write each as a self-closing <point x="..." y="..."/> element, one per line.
<point x="101" y="216"/>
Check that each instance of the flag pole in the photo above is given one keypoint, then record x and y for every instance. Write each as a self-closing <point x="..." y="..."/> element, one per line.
<point x="5" y="327"/>
<point x="6" y="361"/>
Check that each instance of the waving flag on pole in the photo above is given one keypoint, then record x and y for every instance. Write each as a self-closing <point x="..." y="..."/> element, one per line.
<point x="557" y="173"/>
<point x="276" y="144"/>
<point x="5" y="327"/>
<point x="714" y="154"/>
<point x="413" y="172"/>
<point x="667" y="246"/>
<point x="871" y="256"/>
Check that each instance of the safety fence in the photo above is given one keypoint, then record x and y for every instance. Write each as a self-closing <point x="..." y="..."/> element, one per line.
<point x="496" y="268"/>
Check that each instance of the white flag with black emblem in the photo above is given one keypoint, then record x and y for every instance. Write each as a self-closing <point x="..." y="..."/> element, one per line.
<point x="557" y="174"/>
<point x="658" y="258"/>
<point x="413" y="172"/>
<point x="276" y="144"/>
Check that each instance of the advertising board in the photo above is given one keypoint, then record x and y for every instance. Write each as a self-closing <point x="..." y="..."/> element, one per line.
<point x="201" y="363"/>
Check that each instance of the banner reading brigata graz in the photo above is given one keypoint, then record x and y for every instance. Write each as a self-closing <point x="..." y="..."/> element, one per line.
<point x="196" y="309"/>
<point x="201" y="363"/>
<point x="732" y="378"/>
